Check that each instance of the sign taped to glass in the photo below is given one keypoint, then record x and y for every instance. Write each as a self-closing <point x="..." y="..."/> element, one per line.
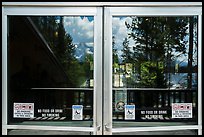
<point x="77" y="112"/>
<point x="181" y="110"/>
<point x="23" y="110"/>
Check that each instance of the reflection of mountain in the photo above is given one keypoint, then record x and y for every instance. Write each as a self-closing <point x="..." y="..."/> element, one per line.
<point x="183" y="64"/>
<point x="82" y="49"/>
<point x="180" y="80"/>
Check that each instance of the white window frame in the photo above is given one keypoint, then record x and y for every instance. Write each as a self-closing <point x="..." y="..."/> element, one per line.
<point x="102" y="66"/>
<point x="160" y="10"/>
<point x="40" y="10"/>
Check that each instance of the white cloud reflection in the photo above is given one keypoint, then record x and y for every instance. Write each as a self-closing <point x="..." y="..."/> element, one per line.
<point x="80" y="29"/>
<point x="120" y="32"/>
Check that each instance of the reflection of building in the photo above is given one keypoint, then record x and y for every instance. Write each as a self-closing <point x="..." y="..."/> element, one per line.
<point x="35" y="73"/>
<point x="33" y="54"/>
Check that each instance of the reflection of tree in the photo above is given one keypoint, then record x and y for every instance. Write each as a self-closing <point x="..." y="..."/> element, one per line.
<point x="88" y="67"/>
<point x="115" y="59"/>
<point x="156" y="40"/>
<point x="126" y="59"/>
<point x="60" y="42"/>
<point x="152" y="74"/>
<point x="192" y="22"/>
<point x="115" y="54"/>
<point x="127" y="54"/>
<point x="64" y="48"/>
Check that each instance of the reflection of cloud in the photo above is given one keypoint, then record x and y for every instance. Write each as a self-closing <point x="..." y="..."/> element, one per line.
<point x="81" y="30"/>
<point x="120" y="32"/>
<point x="83" y="49"/>
<point x="88" y="51"/>
<point x="90" y="44"/>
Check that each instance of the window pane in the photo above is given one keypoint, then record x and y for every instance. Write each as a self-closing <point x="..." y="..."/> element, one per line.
<point x="155" y="52"/>
<point x="51" y="51"/>
<point x="50" y="69"/>
<point x="154" y="67"/>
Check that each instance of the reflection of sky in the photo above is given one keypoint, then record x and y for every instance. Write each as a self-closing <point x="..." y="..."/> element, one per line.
<point x="120" y="32"/>
<point x="81" y="29"/>
<point x="90" y="18"/>
<point x="83" y="49"/>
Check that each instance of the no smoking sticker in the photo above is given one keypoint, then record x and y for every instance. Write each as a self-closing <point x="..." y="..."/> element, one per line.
<point x="181" y="110"/>
<point x="23" y="110"/>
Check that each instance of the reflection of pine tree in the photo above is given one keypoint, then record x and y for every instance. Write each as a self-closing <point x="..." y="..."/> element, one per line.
<point x="126" y="56"/>
<point x="115" y="54"/>
<point x="52" y="28"/>
<point x="154" y="37"/>
<point x="64" y="48"/>
<point x="88" y="68"/>
<point x="65" y="52"/>
<point x="115" y="68"/>
<point x="192" y="22"/>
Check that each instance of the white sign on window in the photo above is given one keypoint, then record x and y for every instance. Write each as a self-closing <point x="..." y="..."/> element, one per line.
<point x="129" y="112"/>
<point x="181" y="110"/>
<point x="77" y="112"/>
<point x="23" y="110"/>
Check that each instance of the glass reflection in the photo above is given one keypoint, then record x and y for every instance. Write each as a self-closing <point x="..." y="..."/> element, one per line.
<point x="154" y="65"/>
<point x="71" y="40"/>
<point x="50" y="64"/>
<point x="155" y="52"/>
<point x="63" y="54"/>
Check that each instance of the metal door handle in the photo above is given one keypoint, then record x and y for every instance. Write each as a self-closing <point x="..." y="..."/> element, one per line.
<point x="107" y="128"/>
<point x="98" y="128"/>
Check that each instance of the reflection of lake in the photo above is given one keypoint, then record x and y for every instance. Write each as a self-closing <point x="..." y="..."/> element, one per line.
<point x="179" y="80"/>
